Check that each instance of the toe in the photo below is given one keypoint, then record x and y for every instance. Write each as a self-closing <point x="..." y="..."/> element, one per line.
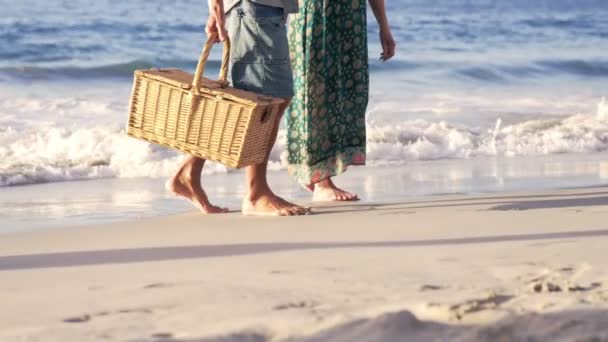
<point x="300" y="211"/>
<point x="296" y="210"/>
<point x="280" y="209"/>
<point x="214" y="210"/>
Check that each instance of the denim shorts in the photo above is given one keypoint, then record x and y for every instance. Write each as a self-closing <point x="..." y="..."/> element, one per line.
<point x="259" y="54"/>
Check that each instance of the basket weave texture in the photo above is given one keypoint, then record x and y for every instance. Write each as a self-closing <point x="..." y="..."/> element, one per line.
<point x="203" y="117"/>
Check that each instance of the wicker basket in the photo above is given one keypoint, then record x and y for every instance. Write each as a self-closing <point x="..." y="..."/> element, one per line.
<point x="202" y="117"/>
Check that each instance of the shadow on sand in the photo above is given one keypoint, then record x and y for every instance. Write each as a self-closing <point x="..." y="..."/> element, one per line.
<point x="503" y="203"/>
<point x="122" y="256"/>
<point x="589" y="325"/>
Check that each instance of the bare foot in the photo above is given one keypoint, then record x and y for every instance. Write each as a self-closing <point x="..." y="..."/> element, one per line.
<point x="327" y="191"/>
<point x="181" y="185"/>
<point x="269" y="204"/>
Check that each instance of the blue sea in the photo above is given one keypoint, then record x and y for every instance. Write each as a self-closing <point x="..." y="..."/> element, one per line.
<point x="482" y="96"/>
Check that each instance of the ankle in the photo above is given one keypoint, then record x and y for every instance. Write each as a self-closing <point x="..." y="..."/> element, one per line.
<point x="324" y="184"/>
<point x="183" y="178"/>
<point x="188" y="180"/>
<point x="254" y="194"/>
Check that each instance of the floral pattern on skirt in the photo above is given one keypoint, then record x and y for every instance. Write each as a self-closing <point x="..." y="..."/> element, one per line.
<point x="326" y="119"/>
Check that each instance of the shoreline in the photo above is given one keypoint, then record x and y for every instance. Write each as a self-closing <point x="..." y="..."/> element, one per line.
<point x="50" y="206"/>
<point x="452" y="265"/>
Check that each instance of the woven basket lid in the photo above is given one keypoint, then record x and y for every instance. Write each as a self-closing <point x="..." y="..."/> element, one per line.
<point x="182" y="79"/>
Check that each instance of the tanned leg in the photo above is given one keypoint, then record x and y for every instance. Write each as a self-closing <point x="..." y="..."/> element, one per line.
<point x="187" y="183"/>
<point x="259" y="199"/>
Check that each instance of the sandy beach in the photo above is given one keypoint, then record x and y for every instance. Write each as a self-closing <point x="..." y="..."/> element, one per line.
<point x="486" y="111"/>
<point x="497" y="267"/>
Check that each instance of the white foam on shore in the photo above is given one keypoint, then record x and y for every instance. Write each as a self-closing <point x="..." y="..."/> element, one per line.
<point x="424" y="140"/>
<point x="47" y="152"/>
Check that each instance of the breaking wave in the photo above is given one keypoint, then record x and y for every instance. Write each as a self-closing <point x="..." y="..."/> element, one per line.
<point x="46" y="153"/>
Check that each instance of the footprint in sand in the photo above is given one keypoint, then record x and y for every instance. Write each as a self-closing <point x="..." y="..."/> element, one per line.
<point x="135" y="310"/>
<point x="494" y="301"/>
<point x="427" y="287"/>
<point x="561" y="279"/>
<point x="578" y="288"/>
<point x="78" y="319"/>
<point x="458" y="311"/>
<point x="158" y="285"/>
<point x="87" y="317"/>
<point x="296" y="305"/>
<point x="546" y="286"/>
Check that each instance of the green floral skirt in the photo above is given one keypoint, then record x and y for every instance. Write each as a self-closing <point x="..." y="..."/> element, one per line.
<point x="326" y="119"/>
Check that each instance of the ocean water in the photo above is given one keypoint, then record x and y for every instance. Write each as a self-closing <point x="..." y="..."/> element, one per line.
<point x="472" y="80"/>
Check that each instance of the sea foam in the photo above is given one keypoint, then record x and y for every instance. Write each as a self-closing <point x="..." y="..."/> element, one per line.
<point x="48" y="153"/>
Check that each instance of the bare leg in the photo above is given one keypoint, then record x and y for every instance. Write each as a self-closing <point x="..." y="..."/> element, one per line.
<point x="259" y="199"/>
<point x="326" y="190"/>
<point x="187" y="183"/>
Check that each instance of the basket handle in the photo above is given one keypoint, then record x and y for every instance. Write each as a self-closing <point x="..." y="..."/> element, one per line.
<point x="200" y="68"/>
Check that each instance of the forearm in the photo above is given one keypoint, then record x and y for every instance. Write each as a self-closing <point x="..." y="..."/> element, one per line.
<point x="216" y="6"/>
<point x="216" y="22"/>
<point x="379" y="9"/>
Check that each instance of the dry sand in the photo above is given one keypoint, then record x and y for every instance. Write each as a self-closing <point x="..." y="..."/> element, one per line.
<point x="504" y="267"/>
